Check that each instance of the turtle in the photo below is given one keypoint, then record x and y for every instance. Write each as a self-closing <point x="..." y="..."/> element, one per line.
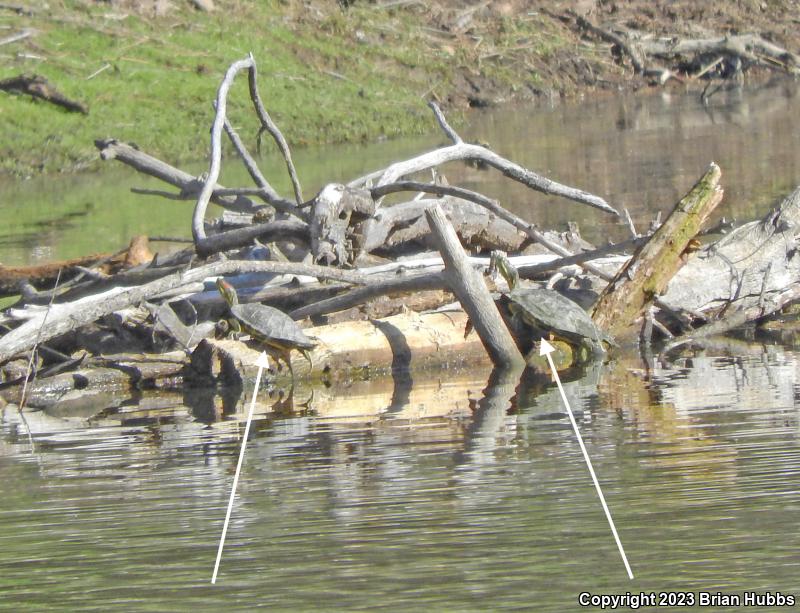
<point x="549" y="311"/>
<point x="267" y="325"/>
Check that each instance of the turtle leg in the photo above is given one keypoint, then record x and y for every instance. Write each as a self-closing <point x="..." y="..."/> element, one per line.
<point x="235" y="331"/>
<point x="286" y="357"/>
<point x="307" y="356"/>
<point x="593" y="349"/>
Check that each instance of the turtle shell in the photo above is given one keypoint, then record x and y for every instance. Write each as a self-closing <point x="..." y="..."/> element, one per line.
<point x="549" y="310"/>
<point x="271" y="326"/>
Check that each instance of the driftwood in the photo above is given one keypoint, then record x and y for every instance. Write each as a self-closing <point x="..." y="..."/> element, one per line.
<point x="39" y="87"/>
<point x="460" y="150"/>
<point x="628" y="296"/>
<point x="725" y="56"/>
<point x="746" y="275"/>
<point x="395" y="343"/>
<point x="65" y="318"/>
<point x="393" y="228"/>
<point x="189" y="186"/>
<point x="473" y="294"/>
<point x="335" y="209"/>
<point x="346" y="221"/>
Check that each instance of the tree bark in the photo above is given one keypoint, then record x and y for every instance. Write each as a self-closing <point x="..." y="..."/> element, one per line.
<point x="622" y="304"/>
<point x="469" y="287"/>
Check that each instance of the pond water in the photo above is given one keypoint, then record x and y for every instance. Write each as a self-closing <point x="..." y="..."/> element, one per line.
<point x="459" y="491"/>
<point x="639" y="153"/>
<point x="471" y="497"/>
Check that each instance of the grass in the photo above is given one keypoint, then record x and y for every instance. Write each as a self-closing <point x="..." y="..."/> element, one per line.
<point x="325" y="75"/>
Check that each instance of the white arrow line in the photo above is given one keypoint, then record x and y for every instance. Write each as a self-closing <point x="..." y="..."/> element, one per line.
<point x="545" y="349"/>
<point x="262" y="362"/>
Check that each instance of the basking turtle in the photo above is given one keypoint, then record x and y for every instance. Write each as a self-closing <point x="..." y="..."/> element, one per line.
<point x="549" y="311"/>
<point x="267" y="325"/>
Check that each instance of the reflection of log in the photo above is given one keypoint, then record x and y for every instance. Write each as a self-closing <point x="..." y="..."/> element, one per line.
<point x="621" y="306"/>
<point x="426" y="398"/>
<point x="123" y="372"/>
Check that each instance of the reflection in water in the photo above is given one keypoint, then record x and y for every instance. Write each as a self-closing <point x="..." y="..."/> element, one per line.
<point x="640" y="153"/>
<point x="473" y="494"/>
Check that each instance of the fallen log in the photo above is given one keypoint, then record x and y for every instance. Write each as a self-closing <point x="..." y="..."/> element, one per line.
<point x="746" y="275"/>
<point x="473" y="294"/>
<point x="393" y="228"/>
<point x="408" y="341"/>
<point x="65" y="318"/>
<point x="621" y="307"/>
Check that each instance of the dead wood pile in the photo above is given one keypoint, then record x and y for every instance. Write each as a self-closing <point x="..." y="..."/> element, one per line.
<point x="347" y="250"/>
<point x="659" y="59"/>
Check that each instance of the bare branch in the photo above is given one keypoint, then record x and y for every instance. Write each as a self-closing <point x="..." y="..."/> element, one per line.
<point x="268" y="125"/>
<point x="112" y="149"/>
<point x="466" y="151"/>
<point x="451" y="133"/>
<point x="265" y="189"/>
<point x="198" y="217"/>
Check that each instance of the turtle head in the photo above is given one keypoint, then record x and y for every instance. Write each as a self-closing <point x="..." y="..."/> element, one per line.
<point x="505" y="268"/>
<point x="228" y="292"/>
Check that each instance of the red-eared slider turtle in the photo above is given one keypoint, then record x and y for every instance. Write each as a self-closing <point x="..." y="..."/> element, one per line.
<point x="548" y="311"/>
<point x="267" y="325"/>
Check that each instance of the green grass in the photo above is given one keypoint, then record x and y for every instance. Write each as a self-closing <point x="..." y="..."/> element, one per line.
<point x="325" y="76"/>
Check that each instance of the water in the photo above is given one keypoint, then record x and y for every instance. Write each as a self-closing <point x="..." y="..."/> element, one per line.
<point x="640" y="153"/>
<point x="476" y="499"/>
<point x="451" y="492"/>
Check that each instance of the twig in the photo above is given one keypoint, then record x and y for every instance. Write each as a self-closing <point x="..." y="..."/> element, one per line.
<point x="265" y="189"/>
<point x="28" y="371"/>
<point x="629" y="221"/>
<point x="15" y="37"/>
<point x="268" y="125"/>
<point x="448" y="130"/>
<point x="141" y="191"/>
<point x="103" y="68"/>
